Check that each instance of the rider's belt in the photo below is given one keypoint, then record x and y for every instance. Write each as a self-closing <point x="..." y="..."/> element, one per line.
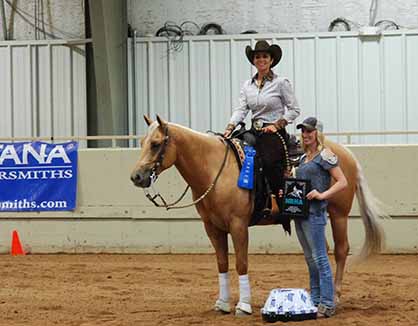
<point x="259" y="124"/>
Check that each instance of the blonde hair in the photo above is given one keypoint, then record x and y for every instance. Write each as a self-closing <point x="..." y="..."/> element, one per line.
<point x="320" y="140"/>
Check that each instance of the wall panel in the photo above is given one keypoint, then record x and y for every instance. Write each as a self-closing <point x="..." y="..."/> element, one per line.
<point x="43" y="89"/>
<point x="351" y="82"/>
<point x="112" y="215"/>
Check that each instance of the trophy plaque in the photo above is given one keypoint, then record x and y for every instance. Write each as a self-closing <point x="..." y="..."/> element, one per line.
<point x="294" y="203"/>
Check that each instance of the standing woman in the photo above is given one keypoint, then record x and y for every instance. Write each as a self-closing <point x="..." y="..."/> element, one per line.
<point x="272" y="104"/>
<point x="318" y="165"/>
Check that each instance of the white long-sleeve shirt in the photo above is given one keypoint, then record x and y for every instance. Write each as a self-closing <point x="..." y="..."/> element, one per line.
<point x="275" y="100"/>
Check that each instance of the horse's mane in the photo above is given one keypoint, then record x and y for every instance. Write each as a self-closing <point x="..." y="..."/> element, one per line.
<point x="180" y="131"/>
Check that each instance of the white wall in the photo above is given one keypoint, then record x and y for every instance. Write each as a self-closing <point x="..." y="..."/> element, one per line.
<point x="114" y="216"/>
<point x="65" y="18"/>
<point x="42" y="89"/>
<point x="351" y="83"/>
<point x="266" y="16"/>
<point x="62" y="19"/>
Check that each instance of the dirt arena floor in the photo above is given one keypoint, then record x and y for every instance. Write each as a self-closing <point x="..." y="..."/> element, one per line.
<point x="181" y="289"/>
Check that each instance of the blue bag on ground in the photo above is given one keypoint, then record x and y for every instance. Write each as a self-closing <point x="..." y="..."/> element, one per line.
<point x="246" y="177"/>
<point x="288" y="305"/>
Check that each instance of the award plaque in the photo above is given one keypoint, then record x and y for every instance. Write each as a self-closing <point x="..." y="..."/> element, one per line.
<point x="294" y="203"/>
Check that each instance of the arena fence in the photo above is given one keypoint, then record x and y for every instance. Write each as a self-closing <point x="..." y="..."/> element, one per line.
<point x="345" y="137"/>
<point x="43" y="88"/>
<point x="114" y="216"/>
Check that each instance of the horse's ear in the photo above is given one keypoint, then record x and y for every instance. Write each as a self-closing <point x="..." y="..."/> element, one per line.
<point x="147" y="120"/>
<point x="161" y="122"/>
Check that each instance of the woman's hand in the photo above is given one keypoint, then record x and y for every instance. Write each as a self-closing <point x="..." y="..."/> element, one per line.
<point x="227" y="133"/>
<point x="280" y="124"/>
<point x="289" y="173"/>
<point x="270" y="129"/>
<point x="229" y="129"/>
<point x="315" y="194"/>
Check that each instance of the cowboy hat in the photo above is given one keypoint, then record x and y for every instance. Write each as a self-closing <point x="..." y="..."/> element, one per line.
<point x="262" y="46"/>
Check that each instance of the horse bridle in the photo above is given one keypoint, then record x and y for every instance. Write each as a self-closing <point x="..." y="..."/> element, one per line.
<point x="154" y="177"/>
<point x="159" y="161"/>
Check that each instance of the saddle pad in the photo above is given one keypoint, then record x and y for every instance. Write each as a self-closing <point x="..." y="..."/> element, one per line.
<point x="238" y="148"/>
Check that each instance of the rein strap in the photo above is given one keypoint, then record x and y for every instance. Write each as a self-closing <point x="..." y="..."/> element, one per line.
<point x="172" y="205"/>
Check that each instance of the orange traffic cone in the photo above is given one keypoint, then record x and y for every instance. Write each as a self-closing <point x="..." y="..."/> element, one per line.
<point x="16" y="245"/>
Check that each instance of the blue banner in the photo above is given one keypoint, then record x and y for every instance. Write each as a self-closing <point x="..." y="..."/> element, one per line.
<point x="246" y="176"/>
<point x="38" y="176"/>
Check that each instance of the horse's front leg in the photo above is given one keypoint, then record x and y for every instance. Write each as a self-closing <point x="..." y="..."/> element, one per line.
<point x="239" y="234"/>
<point x="219" y="240"/>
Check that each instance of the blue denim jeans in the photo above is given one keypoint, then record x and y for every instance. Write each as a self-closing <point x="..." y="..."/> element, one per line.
<point x="311" y="235"/>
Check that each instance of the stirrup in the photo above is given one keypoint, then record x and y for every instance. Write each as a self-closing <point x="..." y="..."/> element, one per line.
<point x="274" y="207"/>
<point x="274" y="210"/>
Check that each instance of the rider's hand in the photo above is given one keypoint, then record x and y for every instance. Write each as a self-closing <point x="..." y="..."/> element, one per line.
<point x="280" y="124"/>
<point x="229" y="129"/>
<point x="270" y="129"/>
<point x="315" y="194"/>
<point x="227" y="133"/>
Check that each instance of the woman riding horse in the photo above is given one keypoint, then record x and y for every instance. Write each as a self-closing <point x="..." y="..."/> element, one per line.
<point x="273" y="105"/>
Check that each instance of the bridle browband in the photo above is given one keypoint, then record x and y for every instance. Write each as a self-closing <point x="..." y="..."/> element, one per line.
<point x="154" y="176"/>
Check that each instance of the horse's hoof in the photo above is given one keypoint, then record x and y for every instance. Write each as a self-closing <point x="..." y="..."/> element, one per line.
<point x="222" y="306"/>
<point x="243" y="309"/>
<point x="337" y="296"/>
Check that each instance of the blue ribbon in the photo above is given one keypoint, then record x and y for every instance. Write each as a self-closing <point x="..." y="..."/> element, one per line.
<point x="246" y="177"/>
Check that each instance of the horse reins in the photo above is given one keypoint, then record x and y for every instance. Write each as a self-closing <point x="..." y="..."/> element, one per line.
<point x="154" y="177"/>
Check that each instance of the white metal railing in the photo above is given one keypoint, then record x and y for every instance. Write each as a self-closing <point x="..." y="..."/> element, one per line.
<point x="349" y="81"/>
<point x="131" y="138"/>
<point x="113" y="138"/>
<point x="43" y="87"/>
<point x="350" y="134"/>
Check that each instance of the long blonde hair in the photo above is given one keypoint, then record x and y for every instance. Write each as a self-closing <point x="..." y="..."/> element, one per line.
<point x="320" y="140"/>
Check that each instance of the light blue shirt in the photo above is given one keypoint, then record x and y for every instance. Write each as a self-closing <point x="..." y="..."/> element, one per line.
<point x="275" y="100"/>
<point x="317" y="171"/>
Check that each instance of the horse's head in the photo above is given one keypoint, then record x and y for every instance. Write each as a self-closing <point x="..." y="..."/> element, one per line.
<point x="157" y="153"/>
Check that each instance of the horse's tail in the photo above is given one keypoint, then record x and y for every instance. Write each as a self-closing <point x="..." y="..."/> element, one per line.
<point x="370" y="210"/>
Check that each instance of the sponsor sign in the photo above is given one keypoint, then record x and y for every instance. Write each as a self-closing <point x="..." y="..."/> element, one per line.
<point x="38" y="176"/>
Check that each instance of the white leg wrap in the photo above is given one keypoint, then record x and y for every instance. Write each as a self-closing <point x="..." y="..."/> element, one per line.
<point x="243" y="307"/>
<point x="222" y="304"/>
<point x="223" y="286"/>
<point x="244" y="289"/>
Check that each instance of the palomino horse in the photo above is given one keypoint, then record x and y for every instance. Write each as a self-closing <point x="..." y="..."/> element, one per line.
<point x="226" y="208"/>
